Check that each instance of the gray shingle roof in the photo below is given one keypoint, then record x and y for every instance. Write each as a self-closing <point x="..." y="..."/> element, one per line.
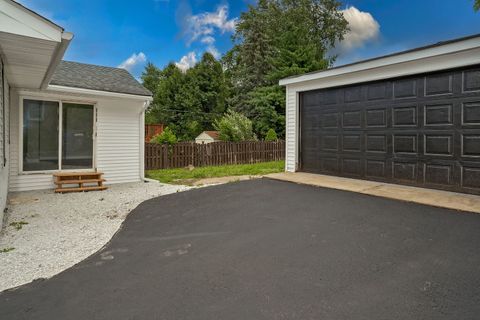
<point x="87" y="76"/>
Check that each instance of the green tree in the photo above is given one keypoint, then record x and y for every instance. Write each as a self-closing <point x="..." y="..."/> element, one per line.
<point x="166" y="137"/>
<point x="476" y="5"/>
<point x="150" y="77"/>
<point x="188" y="102"/>
<point x="271" y="135"/>
<point x="234" y="126"/>
<point x="208" y="81"/>
<point x="275" y="39"/>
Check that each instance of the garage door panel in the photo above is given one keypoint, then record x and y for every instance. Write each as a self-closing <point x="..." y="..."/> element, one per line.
<point x="438" y="115"/>
<point x="470" y="176"/>
<point x="471" y="113"/>
<point x="438" y="174"/>
<point x="405" y="116"/>
<point x="352" y="142"/>
<point x="352" y="167"/>
<point x="405" y="88"/>
<point x="471" y="80"/>
<point x="439" y="84"/>
<point x="423" y="130"/>
<point x="376" y="118"/>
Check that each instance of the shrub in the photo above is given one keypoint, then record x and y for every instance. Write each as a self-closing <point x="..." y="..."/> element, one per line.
<point x="235" y="127"/>
<point x="271" y="135"/>
<point x="166" y="137"/>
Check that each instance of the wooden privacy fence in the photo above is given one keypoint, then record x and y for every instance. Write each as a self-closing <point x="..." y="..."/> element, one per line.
<point x="217" y="153"/>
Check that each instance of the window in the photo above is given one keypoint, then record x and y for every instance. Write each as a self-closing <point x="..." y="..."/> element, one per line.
<point x="45" y="123"/>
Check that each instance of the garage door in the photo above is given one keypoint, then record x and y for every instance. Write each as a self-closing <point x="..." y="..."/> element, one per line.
<point x="422" y="130"/>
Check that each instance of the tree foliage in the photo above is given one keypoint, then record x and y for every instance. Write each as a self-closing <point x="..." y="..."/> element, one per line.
<point x="234" y="126"/>
<point x="271" y="135"/>
<point x="188" y="102"/>
<point x="476" y="5"/>
<point x="274" y="39"/>
<point x="166" y="137"/>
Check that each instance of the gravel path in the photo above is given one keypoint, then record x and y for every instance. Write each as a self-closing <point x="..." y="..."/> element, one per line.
<point x="63" y="229"/>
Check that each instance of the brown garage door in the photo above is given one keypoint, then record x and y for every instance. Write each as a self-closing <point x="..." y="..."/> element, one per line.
<point x="422" y="130"/>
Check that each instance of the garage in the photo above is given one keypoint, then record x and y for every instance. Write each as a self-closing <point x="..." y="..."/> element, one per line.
<point x="411" y="118"/>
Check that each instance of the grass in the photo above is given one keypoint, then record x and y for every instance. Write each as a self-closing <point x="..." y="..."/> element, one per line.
<point x="186" y="176"/>
<point x="18" y="225"/>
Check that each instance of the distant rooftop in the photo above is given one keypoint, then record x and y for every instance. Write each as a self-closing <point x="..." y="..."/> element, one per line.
<point x="87" y="76"/>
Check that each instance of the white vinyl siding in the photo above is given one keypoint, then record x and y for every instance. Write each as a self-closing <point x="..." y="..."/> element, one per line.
<point x="118" y="136"/>
<point x="4" y="127"/>
<point x="118" y="150"/>
<point x="291" y="128"/>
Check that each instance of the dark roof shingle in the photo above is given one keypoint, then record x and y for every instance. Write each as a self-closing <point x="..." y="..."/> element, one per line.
<point x="87" y="76"/>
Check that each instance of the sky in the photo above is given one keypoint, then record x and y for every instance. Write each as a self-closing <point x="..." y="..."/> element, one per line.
<point x="128" y="34"/>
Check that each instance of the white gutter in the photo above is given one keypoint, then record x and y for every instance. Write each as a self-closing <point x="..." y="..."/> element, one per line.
<point x="65" y="89"/>
<point x="57" y="57"/>
<point x="142" y="138"/>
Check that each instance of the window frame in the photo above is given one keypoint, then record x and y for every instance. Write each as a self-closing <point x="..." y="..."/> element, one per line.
<point x="60" y="134"/>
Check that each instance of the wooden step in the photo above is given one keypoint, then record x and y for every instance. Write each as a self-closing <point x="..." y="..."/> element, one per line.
<point x="82" y="189"/>
<point x="76" y="174"/>
<point x="60" y="182"/>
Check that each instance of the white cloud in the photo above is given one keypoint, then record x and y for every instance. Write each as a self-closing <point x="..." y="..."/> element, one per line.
<point x="135" y="61"/>
<point x="205" y="24"/>
<point x="208" y="40"/>
<point x="187" y="61"/>
<point x="363" y="28"/>
<point x="214" y="51"/>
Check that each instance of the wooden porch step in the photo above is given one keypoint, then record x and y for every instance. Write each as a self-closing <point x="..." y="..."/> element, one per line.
<point x="79" y="179"/>
<point x="80" y="189"/>
<point x="76" y="174"/>
<point x="60" y="182"/>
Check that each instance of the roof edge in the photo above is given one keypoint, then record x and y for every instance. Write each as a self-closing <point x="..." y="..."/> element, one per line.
<point x="433" y="50"/>
<point x="78" y="90"/>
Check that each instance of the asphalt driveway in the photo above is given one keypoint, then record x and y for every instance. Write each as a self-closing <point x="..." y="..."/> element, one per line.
<point x="267" y="249"/>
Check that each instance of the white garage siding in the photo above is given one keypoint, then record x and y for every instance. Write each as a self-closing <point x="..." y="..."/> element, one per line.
<point x="291" y="131"/>
<point x="118" y="149"/>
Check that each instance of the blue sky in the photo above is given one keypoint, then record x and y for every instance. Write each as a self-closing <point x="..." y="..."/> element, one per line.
<point x="129" y="33"/>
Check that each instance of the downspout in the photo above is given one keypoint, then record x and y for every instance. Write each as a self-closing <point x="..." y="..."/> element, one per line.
<point x="57" y="57"/>
<point x="141" y="119"/>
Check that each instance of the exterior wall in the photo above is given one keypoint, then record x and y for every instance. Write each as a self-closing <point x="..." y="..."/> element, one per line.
<point x="4" y="167"/>
<point x="291" y="130"/>
<point x="118" y="147"/>
<point x="204" y="138"/>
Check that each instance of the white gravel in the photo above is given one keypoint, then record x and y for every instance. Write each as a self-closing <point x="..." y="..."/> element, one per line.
<point x="64" y="229"/>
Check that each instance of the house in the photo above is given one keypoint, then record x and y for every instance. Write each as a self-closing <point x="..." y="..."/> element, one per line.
<point x="208" y="137"/>
<point x="409" y="118"/>
<point x="61" y="116"/>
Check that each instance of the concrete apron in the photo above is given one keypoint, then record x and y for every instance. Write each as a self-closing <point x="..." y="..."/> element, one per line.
<point x="437" y="198"/>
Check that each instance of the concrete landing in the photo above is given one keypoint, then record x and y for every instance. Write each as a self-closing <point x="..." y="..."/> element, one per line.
<point x="437" y="198"/>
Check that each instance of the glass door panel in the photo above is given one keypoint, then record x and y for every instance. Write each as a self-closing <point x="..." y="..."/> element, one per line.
<point x="77" y="141"/>
<point x="40" y="135"/>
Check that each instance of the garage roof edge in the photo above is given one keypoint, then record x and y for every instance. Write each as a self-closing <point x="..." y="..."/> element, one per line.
<point x="433" y="50"/>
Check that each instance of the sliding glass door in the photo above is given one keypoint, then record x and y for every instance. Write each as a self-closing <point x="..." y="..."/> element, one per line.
<point x="77" y="141"/>
<point x="40" y="135"/>
<point x="45" y="123"/>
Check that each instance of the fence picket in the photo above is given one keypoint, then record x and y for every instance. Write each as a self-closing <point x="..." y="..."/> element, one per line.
<point x="184" y="154"/>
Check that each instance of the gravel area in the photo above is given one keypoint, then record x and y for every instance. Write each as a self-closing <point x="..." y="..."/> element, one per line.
<point x="46" y="233"/>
